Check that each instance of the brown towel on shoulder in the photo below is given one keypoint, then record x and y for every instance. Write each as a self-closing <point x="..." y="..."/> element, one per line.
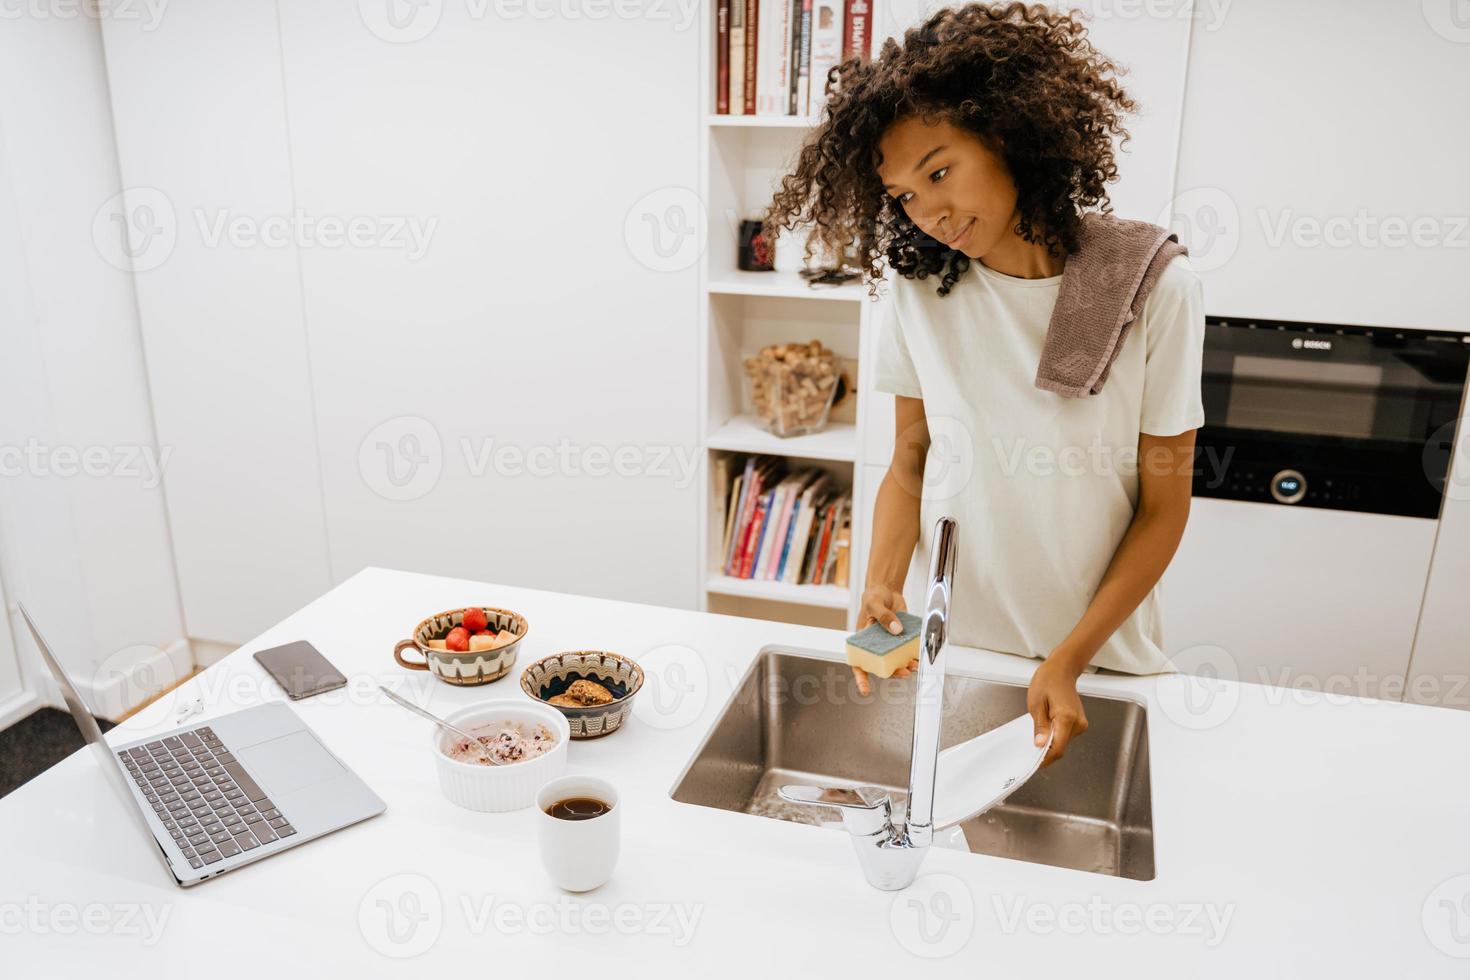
<point x="1104" y="285"/>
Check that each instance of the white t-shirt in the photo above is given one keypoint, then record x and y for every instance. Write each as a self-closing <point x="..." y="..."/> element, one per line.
<point x="1042" y="486"/>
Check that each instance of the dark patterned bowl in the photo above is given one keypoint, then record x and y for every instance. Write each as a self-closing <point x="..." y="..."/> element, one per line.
<point x="469" y="667"/>
<point x="552" y="675"/>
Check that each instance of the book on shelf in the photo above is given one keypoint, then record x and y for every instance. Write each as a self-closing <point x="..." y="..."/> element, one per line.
<point x="856" y="28"/>
<point x="722" y="56"/>
<point x="782" y="524"/>
<point x="827" y="31"/>
<point x="752" y="38"/>
<point x="772" y="57"/>
<point x="733" y="42"/>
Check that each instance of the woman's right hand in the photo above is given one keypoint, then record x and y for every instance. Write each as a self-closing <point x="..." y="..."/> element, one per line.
<point x="881" y="605"/>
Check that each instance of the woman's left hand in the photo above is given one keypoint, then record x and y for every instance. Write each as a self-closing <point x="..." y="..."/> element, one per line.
<point x="1053" y="702"/>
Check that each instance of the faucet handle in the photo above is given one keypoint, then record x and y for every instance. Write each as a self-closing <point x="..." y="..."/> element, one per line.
<point x="862" y="814"/>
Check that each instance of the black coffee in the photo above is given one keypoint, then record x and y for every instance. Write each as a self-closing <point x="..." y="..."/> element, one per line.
<point x="578" y="808"/>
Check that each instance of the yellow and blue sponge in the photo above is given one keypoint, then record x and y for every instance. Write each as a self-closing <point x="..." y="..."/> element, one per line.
<point x="880" y="652"/>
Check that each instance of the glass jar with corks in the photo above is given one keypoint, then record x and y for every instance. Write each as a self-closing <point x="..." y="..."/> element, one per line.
<point x="792" y="386"/>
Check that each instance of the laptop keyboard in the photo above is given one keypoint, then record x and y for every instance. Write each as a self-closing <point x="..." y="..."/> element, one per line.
<point x="206" y="800"/>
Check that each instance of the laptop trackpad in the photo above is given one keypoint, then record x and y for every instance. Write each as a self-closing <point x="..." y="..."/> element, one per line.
<point x="289" y="762"/>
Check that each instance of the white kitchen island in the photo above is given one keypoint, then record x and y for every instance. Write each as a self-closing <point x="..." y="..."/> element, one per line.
<point x="1294" y="836"/>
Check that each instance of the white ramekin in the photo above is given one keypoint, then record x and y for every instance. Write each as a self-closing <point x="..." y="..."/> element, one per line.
<point x="495" y="788"/>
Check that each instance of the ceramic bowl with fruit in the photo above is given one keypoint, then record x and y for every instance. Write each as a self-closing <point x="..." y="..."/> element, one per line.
<point x="593" y="688"/>
<point x="469" y="646"/>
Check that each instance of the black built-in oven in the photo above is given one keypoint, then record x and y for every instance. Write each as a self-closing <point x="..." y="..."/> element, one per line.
<point x="1321" y="415"/>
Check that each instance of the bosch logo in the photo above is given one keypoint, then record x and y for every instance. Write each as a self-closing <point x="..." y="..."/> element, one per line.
<point x="1299" y="343"/>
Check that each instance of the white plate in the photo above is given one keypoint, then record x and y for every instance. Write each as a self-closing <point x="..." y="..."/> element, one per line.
<point x="974" y="776"/>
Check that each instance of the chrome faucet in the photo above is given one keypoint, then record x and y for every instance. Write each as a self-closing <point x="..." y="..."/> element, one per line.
<point x="890" y="854"/>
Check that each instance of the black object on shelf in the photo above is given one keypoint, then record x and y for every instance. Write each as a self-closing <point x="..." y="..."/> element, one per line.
<point x="821" y="278"/>
<point x="756" y="254"/>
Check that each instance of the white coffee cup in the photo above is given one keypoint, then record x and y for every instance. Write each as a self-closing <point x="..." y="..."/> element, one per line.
<point x="579" y="855"/>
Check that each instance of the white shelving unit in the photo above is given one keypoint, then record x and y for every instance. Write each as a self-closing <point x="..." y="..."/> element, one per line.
<point x="743" y="434"/>
<point x="742" y="158"/>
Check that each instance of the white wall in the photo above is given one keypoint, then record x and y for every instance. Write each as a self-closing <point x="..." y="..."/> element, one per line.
<point x="527" y="321"/>
<point x="298" y="383"/>
<point x="88" y="553"/>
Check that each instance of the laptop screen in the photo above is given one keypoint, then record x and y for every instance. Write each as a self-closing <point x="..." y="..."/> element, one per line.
<point x="81" y="712"/>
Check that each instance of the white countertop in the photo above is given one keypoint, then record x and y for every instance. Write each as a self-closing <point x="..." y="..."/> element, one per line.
<point x="1294" y="836"/>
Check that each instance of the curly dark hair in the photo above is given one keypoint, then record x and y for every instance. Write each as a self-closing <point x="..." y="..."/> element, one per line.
<point x="1026" y="74"/>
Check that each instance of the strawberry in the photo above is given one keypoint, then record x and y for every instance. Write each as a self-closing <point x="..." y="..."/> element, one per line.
<point x="475" y="620"/>
<point x="458" y="639"/>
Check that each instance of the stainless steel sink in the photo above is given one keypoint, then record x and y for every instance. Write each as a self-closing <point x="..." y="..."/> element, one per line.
<point x="797" y="719"/>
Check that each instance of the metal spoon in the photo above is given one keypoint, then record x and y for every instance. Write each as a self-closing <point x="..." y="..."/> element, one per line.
<point x="473" y="740"/>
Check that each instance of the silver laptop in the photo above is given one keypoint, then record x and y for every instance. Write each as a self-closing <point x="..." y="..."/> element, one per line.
<point x="226" y="792"/>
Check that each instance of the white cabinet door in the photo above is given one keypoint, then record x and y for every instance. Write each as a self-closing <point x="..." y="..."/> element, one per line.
<point x="1440" y="671"/>
<point x="199" y="113"/>
<point x="1291" y="206"/>
<point x="1311" y="598"/>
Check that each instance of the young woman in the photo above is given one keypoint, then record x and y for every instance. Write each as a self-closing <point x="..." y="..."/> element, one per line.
<point x="967" y="156"/>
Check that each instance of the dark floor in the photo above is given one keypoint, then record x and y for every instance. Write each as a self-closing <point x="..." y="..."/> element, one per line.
<point x="36" y="743"/>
